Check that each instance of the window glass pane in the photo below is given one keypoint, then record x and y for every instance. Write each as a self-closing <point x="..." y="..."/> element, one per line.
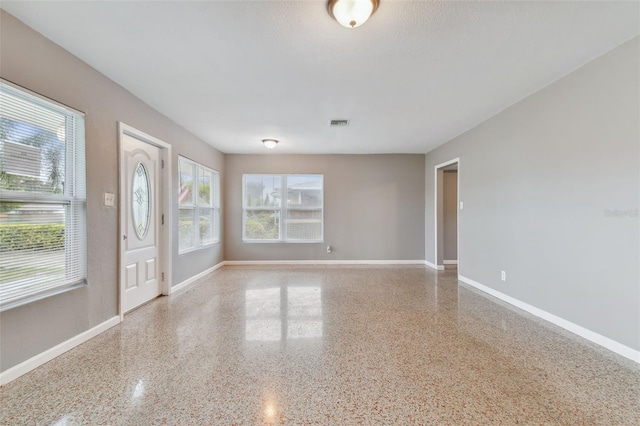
<point x="186" y="174"/>
<point x="216" y="203"/>
<point x="304" y="224"/>
<point x="216" y="190"/>
<point x="304" y="191"/>
<point x="32" y="246"/>
<point x="304" y="207"/>
<point x="205" y="187"/>
<point x="262" y="224"/>
<point x="216" y="224"/>
<point x="262" y="191"/>
<point x="32" y="146"/>
<point x="186" y="229"/>
<point x="207" y="222"/>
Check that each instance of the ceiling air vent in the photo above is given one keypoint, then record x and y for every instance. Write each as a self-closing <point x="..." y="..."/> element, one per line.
<point x="339" y="123"/>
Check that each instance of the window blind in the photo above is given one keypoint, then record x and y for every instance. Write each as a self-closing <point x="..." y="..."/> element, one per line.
<point x="42" y="197"/>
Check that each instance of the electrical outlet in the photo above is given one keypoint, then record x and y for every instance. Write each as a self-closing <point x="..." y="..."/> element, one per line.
<point x="328" y="249"/>
<point x="503" y="276"/>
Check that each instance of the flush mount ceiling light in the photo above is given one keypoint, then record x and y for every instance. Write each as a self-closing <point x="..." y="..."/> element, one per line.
<point x="352" y="13"/>
<point x="270" y="143"/>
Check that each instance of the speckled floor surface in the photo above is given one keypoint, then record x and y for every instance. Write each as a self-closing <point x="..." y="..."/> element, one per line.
<point x="329" y="345"/>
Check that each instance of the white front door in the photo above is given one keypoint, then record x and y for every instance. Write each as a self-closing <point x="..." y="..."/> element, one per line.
<point x="141" y="192"/>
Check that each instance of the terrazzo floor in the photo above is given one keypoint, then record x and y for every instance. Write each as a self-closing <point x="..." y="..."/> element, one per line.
<point x="331" y="346"/>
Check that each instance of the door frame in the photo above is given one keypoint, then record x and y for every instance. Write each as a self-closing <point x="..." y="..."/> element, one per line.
<point x="165" y="242"/>
<point x="435" y="212"/>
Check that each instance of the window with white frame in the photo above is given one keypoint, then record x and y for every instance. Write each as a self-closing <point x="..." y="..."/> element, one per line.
<point x="282" y="208"/>
<point x="199" y="204"/>
<point x="42" y="197"/>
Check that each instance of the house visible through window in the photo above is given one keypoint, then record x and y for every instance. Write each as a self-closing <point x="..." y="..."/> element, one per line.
<point x="42" y="197"/>
<point x="199" y="203"/>
<point x="287" y="208"/>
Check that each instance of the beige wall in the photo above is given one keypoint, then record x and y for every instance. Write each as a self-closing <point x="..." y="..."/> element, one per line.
<point x="30" y="60"/>
<point x="537" y="181"/>
<point x="373" y="207"/>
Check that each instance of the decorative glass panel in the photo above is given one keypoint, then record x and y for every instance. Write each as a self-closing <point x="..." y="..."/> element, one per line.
<point x="141" y="201"/>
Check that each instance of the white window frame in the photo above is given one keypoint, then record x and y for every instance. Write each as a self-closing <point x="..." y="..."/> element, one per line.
<point x="73" y="200"/>
<point x="282" y="210"/>
<point x="196" y="207"/>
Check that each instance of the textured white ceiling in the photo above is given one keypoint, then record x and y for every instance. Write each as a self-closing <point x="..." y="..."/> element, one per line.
<point x="414" y="76"/>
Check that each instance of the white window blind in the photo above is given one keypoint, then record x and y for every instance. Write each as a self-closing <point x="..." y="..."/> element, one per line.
<point x="199" y="205"/>
<point x="283" y="208"/>
<point x="42" y="197"/>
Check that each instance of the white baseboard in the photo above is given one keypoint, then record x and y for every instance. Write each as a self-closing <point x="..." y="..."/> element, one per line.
<point x="324" y="262"/>
<point x="46" y="356"/>
<point x="592" y="336"/>
<point x="434" y="266"/>
<point x="450" y="262"/>
<point x="194" y="278"/>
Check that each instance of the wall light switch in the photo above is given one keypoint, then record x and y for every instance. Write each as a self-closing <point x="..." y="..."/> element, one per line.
<point x="109" y="199"/>
<point x="503" y="275"/>
<point x="461" y="205"/>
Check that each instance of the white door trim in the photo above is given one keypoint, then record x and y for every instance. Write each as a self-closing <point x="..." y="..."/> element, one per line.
<point x="435" y="211"/>
<point x="165" y="243"/>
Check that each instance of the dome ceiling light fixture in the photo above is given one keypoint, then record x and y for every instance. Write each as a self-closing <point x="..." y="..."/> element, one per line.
<point x="352" y="13"/>
<point x="270" y="143"/>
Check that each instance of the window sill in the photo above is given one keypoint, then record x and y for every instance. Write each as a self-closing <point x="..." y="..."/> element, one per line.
<point x="42" y="295"/>
<point x="202" y="247"/>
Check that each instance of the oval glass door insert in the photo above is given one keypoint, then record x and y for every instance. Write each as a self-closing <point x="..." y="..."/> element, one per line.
<point x="141" y="200"/>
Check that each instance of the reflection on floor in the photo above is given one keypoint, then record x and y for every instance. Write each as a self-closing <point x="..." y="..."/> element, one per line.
<point x="285" y="312"/>
<point x="329" y="345"/>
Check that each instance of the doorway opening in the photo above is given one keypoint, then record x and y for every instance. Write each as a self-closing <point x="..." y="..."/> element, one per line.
<point x="447" y="207"/>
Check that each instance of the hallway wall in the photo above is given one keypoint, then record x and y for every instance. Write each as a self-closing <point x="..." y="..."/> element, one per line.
<point x="551" y="193"/>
